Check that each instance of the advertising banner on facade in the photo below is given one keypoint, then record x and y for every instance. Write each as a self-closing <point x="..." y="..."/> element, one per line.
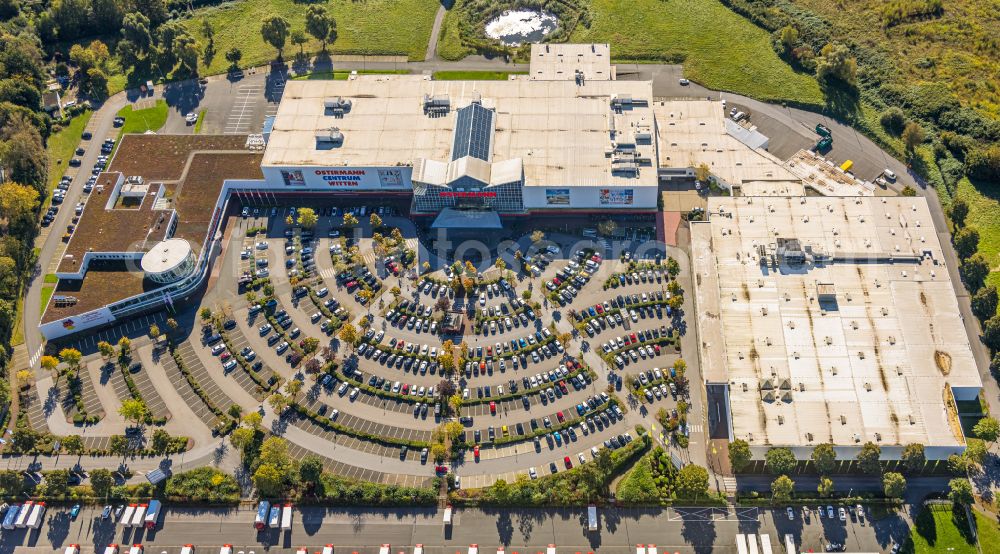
<point x="557" y="197"/>
<point x="392" y="178"/>
<point x="622" y="197"/>
<point x="293" y="178"/>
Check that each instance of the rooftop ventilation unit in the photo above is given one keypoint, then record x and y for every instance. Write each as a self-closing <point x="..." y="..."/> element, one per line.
<point x="337" y="106"/>
<point x="331" y="136"/>
<point x="436" y="105"/>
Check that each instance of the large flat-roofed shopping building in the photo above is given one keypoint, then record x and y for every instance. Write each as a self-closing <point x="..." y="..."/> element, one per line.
<point x="565" y="137"/>
<point x="831" y="320"/>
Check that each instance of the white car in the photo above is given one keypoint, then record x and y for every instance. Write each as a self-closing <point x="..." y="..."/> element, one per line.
<point x="889" y="174"/>
<point x="482" y="299"/>
<point x="684" y="82"/>
<point x="790" y="512"/>
<point x="191" y="117"/>
<point x="532" y="473"/>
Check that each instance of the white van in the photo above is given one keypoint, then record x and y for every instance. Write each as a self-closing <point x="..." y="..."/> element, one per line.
<point x="286" y="517"/>
<point x="447" y="514"/>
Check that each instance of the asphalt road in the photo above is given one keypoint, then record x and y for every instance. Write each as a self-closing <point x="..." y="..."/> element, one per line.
<point x="687" y="530"/>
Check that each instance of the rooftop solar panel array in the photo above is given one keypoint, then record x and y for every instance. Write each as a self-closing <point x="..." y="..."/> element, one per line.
<point x="473" y="132"/>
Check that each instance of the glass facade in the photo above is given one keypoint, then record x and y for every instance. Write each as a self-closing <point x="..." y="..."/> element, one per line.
<point x="468" y="193"/>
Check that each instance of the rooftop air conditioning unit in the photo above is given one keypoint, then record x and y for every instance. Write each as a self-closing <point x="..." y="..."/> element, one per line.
<point x="330" y="136"/>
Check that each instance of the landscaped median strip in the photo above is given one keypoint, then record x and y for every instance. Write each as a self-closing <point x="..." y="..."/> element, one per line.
<point x="324" y="421"/>
<point x="226" y="423"/>
<point x="531" y="391"/>
<point x="541" y="432"/>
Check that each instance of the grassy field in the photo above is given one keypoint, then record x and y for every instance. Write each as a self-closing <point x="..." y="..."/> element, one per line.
<point x="475" y="75"/>
<point x="374" y="27"/>
<point x="987" y="528"/>
<point x="147" y="119"/>
<point x="984" y="215"/>
<point x="46" y="294"/>
<point x="940" y="529"/>
<point x="343" y="75"/>
<point x="722" y="50"/>
<point x="958" y="47"/>
<point x="61" y="146"/>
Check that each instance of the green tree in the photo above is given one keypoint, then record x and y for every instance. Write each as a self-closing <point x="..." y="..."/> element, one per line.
<point x="350" y="220"/>
<point x="57" y="482"/>
<point x="161" y="441"/>
<point x="307" y="218"/>
<point x="893" y="120"/>
<point x="987" y="429"/>
<point x="133" y="409"/>
<point x="310" y="470"/>
<point x="298" y="38"/>
<point x="894" y="484"/>
<point x="782" y="489"/>
<point x="269" y="480"/>
<point x="913" y="457"/>
<point x="11" y="482"/>
<point x="101" y="480"/>
<point x="375" y="221"/>
<point x="780" y="461"/>
<point x="73" y="444"/>
<point x="118" y="444"/>
<point x="974" y="271"/>
<point x="692" y="482"/>
<point x="17" y="202"/>
<point x="960" y="491"/>
<point x="959" y="211"/>
<point x="991" y="333"/>
<point x="824" y="457"/>
<point x="835" y="62"/>
<point x="274" y="30"/>
<point x="49" y="363"/>
<point x="71" y="357"/>
<point x="233" y="56"/>
<point x="868" y="458"/>
<point x="984" y="302"/>
<point x="242" y="438"/>
<point x="320" y="24"/>
<point x="966" y="241"/>
<point x="205" y="314"/>
<point x="825" y="487"/>
<point x="789" y="38"/>
<point x="913" y="136"/>
<point x="274" y="451"/>
<point x="739" y="455"/>
<point x="348" y="333"/>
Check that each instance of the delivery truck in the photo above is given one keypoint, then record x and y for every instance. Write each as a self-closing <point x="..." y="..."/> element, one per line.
<point x="226" y="549"/>
<point x="640" y="549"/>
<point x="136" y="549"/>
<point x="72" y="549"/>
<point x="126" y="519"/>
<point x="111" y="549"/>
<point x="447" y="515"/>
<point x="551" y="549"/>
<point x="418" y="549"/>
<point x="473" y="549"/>
<point x="384" y="549"/>
<point x="651" y="549"/>
<point x="36" y="517"/>
<point x="328" y="549"/>
<point x="23" y="513"/>
<point x="11" y="516"/>
<point x="187" y="549"/>
<point x="263" y="510"/>
<point x="139" y="517"/>
<point x="274" y="519"/>
<point x="153" y="514"/>
<point x="286" y="517"/>
<point x="592" y="518"/>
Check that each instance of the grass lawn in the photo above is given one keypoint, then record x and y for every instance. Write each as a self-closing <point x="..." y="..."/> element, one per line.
<point x="984" y="215"/>
<point x="61" y="146"/>
<point x="46" y="294"/>
<point x="940" y="529"/>
<point x="722" y="50"/>
<point x="475" y="75"/>
<point x="200" y="122"/>
<point x="987" y="528"/>
<point x="140" y="121"/>
<point x="343" y="75"/>
<point x="373" y="27"/>
<point x="50" y="278"/>
<point x="17" y="336"/>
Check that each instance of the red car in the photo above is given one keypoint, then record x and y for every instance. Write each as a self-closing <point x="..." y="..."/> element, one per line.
<point x="444" y="469"/>
<point x="561" y="418"/>
<point x="656" y="347"/>
<point x="225" y="356"/>
<point x="632" y="336"/>
<point x="493" y="408"/>
<point x="475" y="451"/>
<point x="569" y="464"/>
<point x="406" y="389"/>
<point x="599" y="308"/>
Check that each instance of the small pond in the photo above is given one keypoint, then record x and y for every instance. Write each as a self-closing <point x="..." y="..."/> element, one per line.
<point x="517" y="27"/>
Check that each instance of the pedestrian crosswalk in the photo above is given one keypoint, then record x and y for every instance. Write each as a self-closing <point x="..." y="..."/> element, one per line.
<point x="33" y="359"/>
<point x="695" y="428"/>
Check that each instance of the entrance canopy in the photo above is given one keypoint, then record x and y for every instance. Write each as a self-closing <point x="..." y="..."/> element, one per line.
<point x="450" y="218"/>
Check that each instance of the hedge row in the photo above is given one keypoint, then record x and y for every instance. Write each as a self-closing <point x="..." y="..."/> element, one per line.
<point x="527" y="392"/>
<point x="351" y="432"/>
